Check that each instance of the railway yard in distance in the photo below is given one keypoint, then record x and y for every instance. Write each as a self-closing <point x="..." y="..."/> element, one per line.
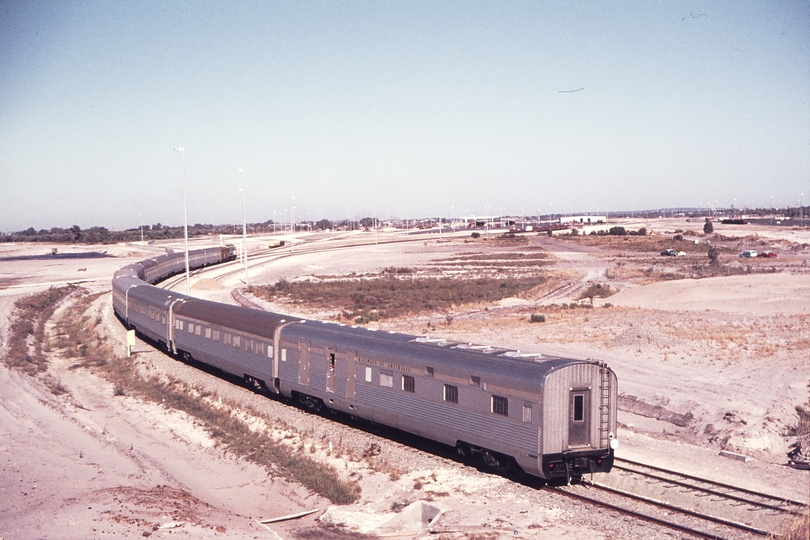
<point x="711" y="359"/>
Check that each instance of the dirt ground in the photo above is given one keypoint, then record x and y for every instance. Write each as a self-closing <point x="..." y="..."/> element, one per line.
<point x="710" y="364"/>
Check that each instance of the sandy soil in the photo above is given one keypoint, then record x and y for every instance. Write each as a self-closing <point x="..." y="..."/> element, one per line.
<point x="704" y="365"/>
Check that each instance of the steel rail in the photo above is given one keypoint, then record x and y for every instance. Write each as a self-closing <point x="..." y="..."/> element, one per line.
<point x="667" y="506"/>
<point x="639" y="515"/>
<point x="783" y="500"/>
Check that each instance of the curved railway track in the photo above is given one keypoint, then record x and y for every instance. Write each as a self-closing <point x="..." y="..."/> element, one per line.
<point x="263" y="256"/>
<point x="699" y="507"/>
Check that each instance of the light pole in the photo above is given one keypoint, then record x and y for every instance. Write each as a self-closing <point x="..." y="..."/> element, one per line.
<point x="244" y="226"/>
<point x="185" y="218"/>
<point x="292" y="225"/>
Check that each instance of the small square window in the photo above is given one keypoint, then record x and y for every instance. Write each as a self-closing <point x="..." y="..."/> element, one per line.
<point x="387" y="379"/>
<point x="408" y="383"/>
<point x="527" y="412"/>
<point x="500" y="405"/>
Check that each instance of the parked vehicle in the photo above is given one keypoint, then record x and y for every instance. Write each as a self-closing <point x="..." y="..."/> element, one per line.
<point x="749" y="253"/>
<point x="669" y="253"/>
<point x="767" y="254"/>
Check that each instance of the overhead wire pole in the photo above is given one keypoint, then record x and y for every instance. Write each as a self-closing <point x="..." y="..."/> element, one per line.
<point x="244" y="226"/>
<point x="185" y="218"/>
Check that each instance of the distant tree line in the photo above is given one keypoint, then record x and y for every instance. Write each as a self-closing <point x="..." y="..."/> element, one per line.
<point x="102" y="235"/>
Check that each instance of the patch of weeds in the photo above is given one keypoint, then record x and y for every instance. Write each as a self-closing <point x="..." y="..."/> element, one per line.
<point x="795" y="529"/>
<point x="537" y="318"/>
<point x="26" y="336"/>
<point x="367" y="300"/>
<point x="597" y="290"/>
<point x="802" y="427"/>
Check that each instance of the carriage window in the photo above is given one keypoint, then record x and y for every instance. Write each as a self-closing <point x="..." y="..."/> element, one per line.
<point x="451" y="393"/>
<point x="331" y="362"/>
<point x="249" y="345"/>
<point x="191" y="328"/>
<point x="387" y="379"/>
<point x="237" y="341"/>
<point x="216" y="335"/>
<point x="270" y="351"/>
<point x="260" y="348"/>
<point x="227" y="339"/>
<point x="178" y="324"/>
<point x="198" y="330"/>
<point x="430" y="371"/>
<point x="207" y="333"/>
<point x="368" y="374"/>
<point x="408" y="383"/>
<point x="500" y="405"/>
<point x="527" y="412"/>
<point x="579" y="407"/>
<point x="283" y="355"/>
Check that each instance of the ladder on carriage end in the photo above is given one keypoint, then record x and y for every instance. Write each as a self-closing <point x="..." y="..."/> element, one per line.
<point x="605" y="383"/>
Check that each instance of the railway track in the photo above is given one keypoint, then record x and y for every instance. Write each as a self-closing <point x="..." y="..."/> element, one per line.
<point x="260" y="257"/>
<point x="695" y="506"/>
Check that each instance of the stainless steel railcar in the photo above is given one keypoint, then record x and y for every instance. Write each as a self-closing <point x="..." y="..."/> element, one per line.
<point x="552" y="417"/>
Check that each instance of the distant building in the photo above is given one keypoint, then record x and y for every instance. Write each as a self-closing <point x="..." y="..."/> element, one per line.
<point x="584" y="220"/>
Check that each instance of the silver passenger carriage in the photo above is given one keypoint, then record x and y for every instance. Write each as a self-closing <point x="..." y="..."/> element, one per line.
<point x="553" y="417"/>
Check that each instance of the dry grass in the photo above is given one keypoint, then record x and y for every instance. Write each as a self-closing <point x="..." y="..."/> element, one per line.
<point x="797" y="529"/>
<point x="653" y="244"/>
<point x="26" y="338"/>
<point x="79" y="340"/>
<point x="392" y="296"/>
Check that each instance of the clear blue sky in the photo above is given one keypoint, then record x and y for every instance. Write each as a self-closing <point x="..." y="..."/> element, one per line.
<point x="412" y="108"/>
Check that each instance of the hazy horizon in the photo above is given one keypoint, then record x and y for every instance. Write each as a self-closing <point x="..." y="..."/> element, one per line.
<point x="408" y="109"/>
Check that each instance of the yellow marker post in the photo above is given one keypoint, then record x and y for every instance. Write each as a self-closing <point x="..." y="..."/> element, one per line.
<point x="130" y="341"/>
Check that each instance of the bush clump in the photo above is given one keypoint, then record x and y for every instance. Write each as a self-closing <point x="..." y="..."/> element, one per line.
<point x="537" y="318"/>
<point x="378" y="298"/>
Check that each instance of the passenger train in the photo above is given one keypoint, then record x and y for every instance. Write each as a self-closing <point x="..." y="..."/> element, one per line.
<point x="551" y="417"/>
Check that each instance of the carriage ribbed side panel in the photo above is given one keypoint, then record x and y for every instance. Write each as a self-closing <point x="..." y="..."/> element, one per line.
<point x="447" y="423"/>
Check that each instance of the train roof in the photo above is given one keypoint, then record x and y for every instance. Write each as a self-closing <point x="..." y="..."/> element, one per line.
<point x="252" y="321"/>
<point x="459" y="360"/>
